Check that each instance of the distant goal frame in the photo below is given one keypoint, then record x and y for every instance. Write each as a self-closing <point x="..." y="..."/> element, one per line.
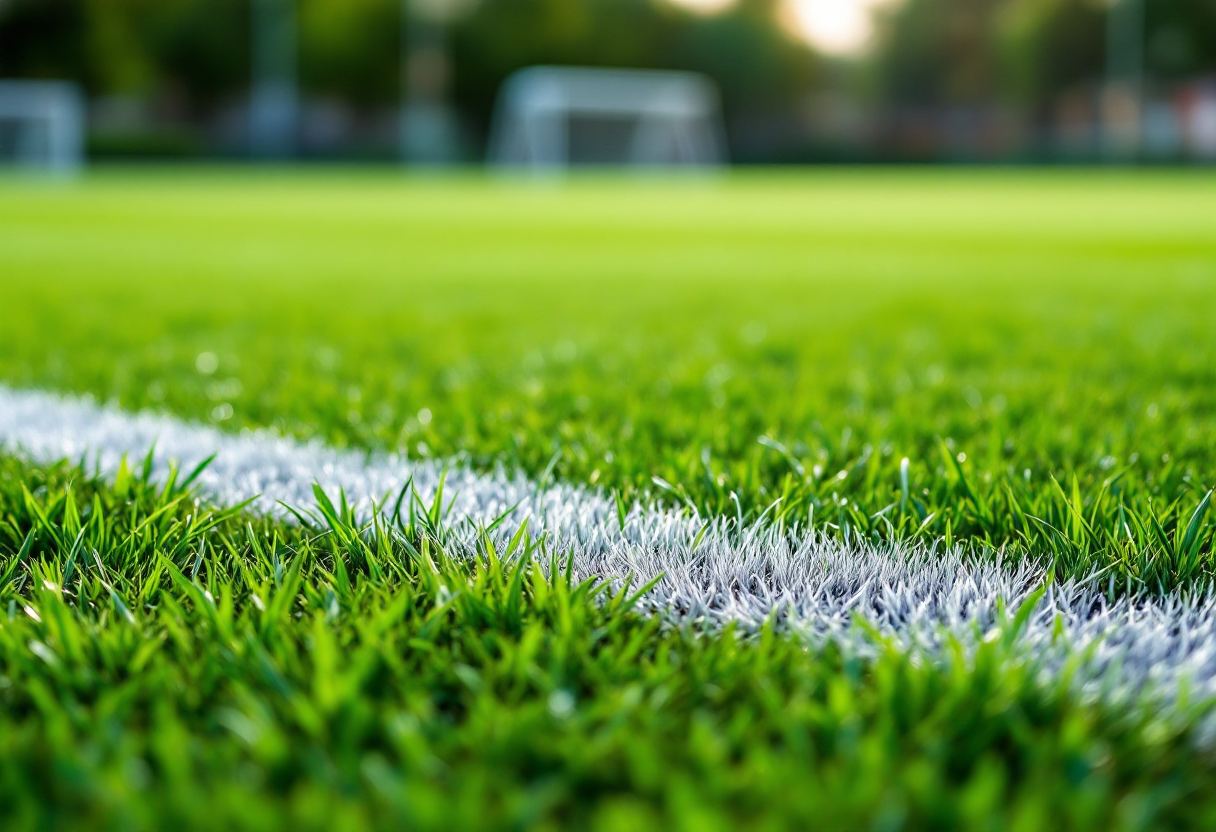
<point x="42" y="126"/>
<point x="673" y="119"/>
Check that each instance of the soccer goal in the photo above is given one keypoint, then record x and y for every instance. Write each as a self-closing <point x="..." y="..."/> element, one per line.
<point x="41" y="125"/>
<point x="551" y="118"/>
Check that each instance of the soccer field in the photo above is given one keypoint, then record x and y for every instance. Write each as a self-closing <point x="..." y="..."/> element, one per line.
<point x="854" y="499"/>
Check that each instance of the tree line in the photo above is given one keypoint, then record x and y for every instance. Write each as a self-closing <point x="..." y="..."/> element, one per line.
<point x="195" y="54"/>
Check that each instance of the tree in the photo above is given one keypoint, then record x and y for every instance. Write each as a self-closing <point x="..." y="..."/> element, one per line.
<point x="936" y="52"/>
<point x="1051" y="46"/>
<point x="744" y="50"/>
<point x="1180" y="39"/>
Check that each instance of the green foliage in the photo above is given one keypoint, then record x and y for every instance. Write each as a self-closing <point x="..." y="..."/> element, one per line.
<point x="1027" y="52"/>
<point x="754" y="61"/>
<point x="939" y="52"/>
<point x="1051" y="47"/>
<point x="195" y="53"/>
<point x="190" y="51"/>
<point x="351" y="50"/>
<point x="1180" y="39"/>
<point x="164" y="665"/>
<point x="184" y="62"/>
<point x="1037" y="346"/>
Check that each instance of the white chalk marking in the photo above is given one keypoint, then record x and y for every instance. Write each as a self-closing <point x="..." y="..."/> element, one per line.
<point x="1138" y="647"/>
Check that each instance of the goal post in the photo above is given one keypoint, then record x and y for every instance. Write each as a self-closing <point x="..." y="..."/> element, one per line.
<point x="552" y="118"/>
<point x="42" y="125"/>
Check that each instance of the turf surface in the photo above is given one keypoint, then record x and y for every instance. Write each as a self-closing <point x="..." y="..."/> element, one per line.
<point x="1038" y="345"/>
<point x="166" y="667"/>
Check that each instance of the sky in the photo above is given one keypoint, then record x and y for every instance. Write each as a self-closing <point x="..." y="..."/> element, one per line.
<point x="836" y="27"/>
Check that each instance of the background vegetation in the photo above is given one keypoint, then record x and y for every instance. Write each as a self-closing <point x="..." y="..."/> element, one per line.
<point x="189" y="59"/>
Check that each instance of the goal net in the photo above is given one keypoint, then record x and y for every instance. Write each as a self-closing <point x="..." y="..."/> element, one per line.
<point x="556" y="117"/>
<point x="41" y="125"/>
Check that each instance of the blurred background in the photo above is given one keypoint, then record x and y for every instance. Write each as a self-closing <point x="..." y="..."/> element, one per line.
<point x="799" y="80"/>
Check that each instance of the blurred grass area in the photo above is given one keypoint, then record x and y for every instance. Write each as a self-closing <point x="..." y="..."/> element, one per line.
<point x="781" y="334"/>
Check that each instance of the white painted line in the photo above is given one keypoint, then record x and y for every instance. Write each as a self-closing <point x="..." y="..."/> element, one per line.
<point x="919" y="595"/>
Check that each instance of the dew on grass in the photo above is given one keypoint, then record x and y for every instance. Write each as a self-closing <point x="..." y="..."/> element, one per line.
<point x="207" y="363"/>
<point x="561" y="703"/>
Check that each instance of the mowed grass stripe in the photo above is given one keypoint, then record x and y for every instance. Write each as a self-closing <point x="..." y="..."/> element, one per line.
<point x="718" y="570"/>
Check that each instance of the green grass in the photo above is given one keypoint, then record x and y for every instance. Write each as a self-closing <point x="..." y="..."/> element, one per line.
<point x="1038" y="344"/>
<point x="165" y="667"/>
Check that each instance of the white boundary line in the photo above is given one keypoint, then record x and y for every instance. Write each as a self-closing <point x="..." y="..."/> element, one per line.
<point x="921" y="596"/>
